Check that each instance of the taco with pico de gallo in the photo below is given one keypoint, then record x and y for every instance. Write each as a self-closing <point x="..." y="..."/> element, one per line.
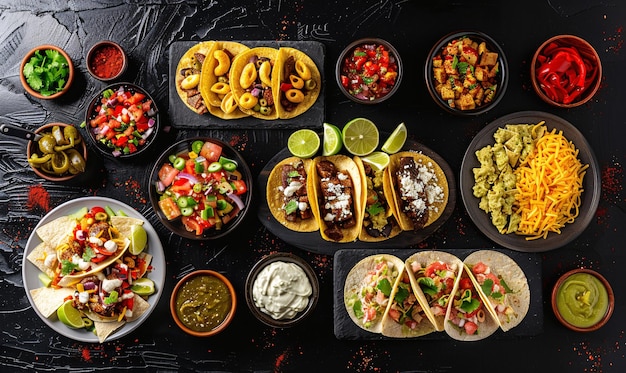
<point x="335" y="184"/>
<point x="287" y="196"/>
<point x="298" y="83"/>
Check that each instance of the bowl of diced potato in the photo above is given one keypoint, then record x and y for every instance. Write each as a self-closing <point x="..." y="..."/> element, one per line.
<point x="466" y="73"/>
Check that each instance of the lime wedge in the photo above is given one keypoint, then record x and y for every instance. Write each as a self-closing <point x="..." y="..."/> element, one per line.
<point x="138" y="239"/>
<point x="378" y="160"/>
<point x="143" y="286"/>
<point x="332" y="140"/>
<point x="70" y="316"/>
<point x="303" y="143"/>
<point x="360" y="136"/>
<point x="396" y="140"/>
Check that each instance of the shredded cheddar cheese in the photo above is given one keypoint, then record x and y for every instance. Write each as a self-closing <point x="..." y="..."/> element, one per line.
<point x="549" y="186"/>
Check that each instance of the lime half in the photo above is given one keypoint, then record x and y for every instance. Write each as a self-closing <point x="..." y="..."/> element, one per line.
<point x="378" y="160"/>
<point x="303" y="143"/>
<point x="332" y="140"/>
<point x="396" y="140"/>
<point x="360" y="136"/>
<point x="138" y="239"/>
<point x="143" y="286"/>
<point x="70" y="316"/>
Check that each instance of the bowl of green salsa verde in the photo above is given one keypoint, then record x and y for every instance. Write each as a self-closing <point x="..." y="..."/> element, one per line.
<point x="203" y="303"/>
<point x="583" y="300"/>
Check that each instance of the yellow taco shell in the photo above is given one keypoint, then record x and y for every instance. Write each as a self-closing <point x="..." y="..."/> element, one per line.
<point x="293" y="62"/>
<point x="190" y="67"/>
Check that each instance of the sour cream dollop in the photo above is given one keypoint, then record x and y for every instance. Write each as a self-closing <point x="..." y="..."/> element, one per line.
<point x="281" y="290"/>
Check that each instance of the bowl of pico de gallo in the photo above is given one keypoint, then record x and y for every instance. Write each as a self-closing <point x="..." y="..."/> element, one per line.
<point x="201" y="188"/>
<point x="122" y="120"/>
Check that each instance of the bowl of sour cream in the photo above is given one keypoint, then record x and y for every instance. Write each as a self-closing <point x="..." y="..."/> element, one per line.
<point x="281" y="290"/>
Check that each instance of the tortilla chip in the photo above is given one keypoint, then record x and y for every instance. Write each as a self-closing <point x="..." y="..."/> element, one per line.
<point x="124" y="224"/>
<point x="56" y="231"/>
<point x="309" y="96"/>
<point x="140" y="306"/>
<point x="191" y="97"/>
<point x="38" y="257"/>
<point x="105" y="329"/>
<point x="48" y="300"/>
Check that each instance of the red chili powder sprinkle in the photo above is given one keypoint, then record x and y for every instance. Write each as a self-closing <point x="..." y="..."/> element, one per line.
<point x="279" y="361"/>
<point x="612" y="180"/>
<point x="86" y="354"/>
<point x="38" y="197"/>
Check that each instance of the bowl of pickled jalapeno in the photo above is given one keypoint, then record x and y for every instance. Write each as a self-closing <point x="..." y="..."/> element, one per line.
<point x="201" y="188"/>
<point x="59" y="153"/>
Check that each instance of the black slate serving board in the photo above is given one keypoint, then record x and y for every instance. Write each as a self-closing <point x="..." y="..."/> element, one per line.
<point x="182" y="117"/>
<point x="344" y="327"/>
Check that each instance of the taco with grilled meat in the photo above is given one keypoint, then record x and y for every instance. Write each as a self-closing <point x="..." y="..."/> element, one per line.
<point x="189" y="75"/>
<point x="368" y="289"/>
<point x="298" y="83"/>
<point x="287" y="196"/>
<point x="503" y="286"/>
<point x="215" y="80"/>
<point x="379" y="223"/>
<point x="335" y="184"/>
<point x="419" y="187"/>
<point x="253" y="79"/>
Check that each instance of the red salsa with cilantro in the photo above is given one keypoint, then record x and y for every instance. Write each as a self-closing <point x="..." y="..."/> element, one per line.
<point x="123" y="120"/>
<point x="369" y="71"/>
<point x="201" y="187"/>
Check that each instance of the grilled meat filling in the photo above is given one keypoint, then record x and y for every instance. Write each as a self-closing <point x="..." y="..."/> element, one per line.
<point x="412" y="192"/>
<point x="337" y="204"/>
<point x="296" y="201"/>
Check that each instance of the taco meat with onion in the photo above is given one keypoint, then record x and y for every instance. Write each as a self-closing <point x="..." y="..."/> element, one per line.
<point x="189" y="75"/>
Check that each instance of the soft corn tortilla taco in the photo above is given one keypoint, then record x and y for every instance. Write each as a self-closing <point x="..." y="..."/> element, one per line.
<point x="337" y="200"/>
<point x="379" y="223"/>
<point x="302" y="80"/>
<point x="286" y="187"/>
<point x="422" y="196"/>
<point x="189" y="75"/>
<point x="506" y="276"/>
<point x="367" y="289"/>
<point x="253" y="75"/>
<point x="215" y="80"/>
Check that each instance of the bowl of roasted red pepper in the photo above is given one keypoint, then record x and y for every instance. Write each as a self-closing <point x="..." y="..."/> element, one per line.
<point x="566" y="71"/>
<point x="369" y="71"/>
<point x="122" y="120"/>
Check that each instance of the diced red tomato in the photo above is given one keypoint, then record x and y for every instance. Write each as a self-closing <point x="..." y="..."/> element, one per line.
<point x="169" y="207"/>
<point x="192" y="225"/>
<point x="136" y="98"/>
<point x="240" y="187"/>
<point x="394" y="314"/>
<point x="433" y="267"/>
<point x="167" y="173"/>
<point x="466" y="283"/>
<point x="190" y="166"/>
<point x="181" y="186"/>
<point x="479" y="267"/>
<point x="470" y="327"/>
<point x="211" y="151"/>
<point x="96" y="209"/>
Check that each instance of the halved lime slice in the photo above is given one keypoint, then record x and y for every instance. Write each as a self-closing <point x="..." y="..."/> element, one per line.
<point x="70" y="316"/>
<point x="143" y="286"/>
<point x="138" y="239"/>
<point x="378" y="160"/>
<point x="332" y="140"/>
<point x="360" y="136"/>
<point x="396" y="140"/>
<point x="303" y="143"/>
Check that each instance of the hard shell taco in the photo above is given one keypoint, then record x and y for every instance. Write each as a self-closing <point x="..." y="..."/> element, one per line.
<point x="287" y="196"/>
<point x="189" y="75"/>
<point x="335" y="184"/>
<point x="379" y="223"/>
<point x="419" y="187"/>
<point x="215" y="80"/>
<point x="503" y="286"/>
<point x="253" y="77"/>
<point x="467" y="317"/>
<point x="368" y="289"/>
<point x="298" y="83"/>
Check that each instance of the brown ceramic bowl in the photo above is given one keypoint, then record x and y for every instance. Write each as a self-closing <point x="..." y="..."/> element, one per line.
<point x="588" y="54"/>
<point x="37" y="94"/>
<point x="349" y="50"/>
<point x="298" y="317"/>
<point x="106" y="61"/>
<point x="33" y="148"/>
<point x="228" y="317"/>
<point x="562" y="284"/>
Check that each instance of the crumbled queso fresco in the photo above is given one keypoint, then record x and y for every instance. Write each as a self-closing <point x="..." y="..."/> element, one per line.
<point x="337" y="199"/>
<point x="426" y="184"/>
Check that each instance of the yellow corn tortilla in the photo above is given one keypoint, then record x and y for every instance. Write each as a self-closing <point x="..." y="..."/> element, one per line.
<point x="310" y="96"/>
<point x="275" y="197"/>
<point x="39" y="255"/>
<point x="436" y="209"/>
<point x="344" y="164"/>
<point x="187" y="61"/>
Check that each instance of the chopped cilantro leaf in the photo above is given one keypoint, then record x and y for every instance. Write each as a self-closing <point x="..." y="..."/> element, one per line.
<point x="357" y="308"/>
<point x="67" y="267"/>
<point x="384" y="286"/>
<point x="46" y="72"/>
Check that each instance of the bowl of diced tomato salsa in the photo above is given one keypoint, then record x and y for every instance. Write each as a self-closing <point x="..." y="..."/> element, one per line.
<point x="369" y="71"/>
<point x="201" y="188"/>
<point x="122" y="120"/>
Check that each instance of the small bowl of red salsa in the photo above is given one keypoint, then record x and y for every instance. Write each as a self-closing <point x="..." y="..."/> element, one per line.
<point x="106" y="61"/>
<point x="201" y="188"/>
<point x="369" y="71"/>
<point x="122" y="120"/>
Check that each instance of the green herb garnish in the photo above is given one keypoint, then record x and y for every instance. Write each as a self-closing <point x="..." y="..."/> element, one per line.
<point x="47" y="71"/>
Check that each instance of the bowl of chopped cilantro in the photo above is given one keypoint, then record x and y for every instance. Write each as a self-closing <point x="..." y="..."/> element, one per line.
<point x="46" y="72"/>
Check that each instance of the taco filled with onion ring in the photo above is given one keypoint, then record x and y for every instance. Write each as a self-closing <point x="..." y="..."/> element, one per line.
<point x="189" y="75"/>
<point x="298" y="83"/>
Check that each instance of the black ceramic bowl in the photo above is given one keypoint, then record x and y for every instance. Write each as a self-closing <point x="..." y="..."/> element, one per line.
<point x="126" y="104"/>
<point x="289" y="259"/>
<point x="501" y="76"/>
<point x="181" y="225"/>
<point x="347" y="53"/>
